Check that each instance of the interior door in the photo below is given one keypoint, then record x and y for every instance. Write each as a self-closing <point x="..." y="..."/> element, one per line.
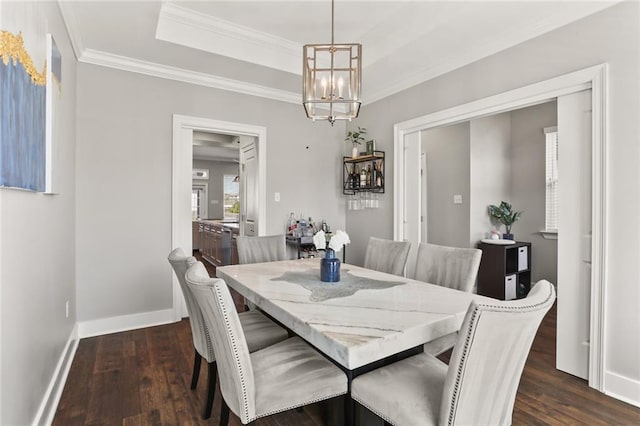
<point x="574" y="233"/>
<point x="424" y="193"/>
<point x="413" y="198"/>
<point x="248" y="187"/>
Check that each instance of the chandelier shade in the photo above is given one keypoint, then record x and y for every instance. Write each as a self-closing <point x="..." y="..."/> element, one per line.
<point x="331" y="80"/>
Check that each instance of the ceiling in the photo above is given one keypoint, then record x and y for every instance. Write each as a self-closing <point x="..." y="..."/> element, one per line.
<point x="255" y="47"/>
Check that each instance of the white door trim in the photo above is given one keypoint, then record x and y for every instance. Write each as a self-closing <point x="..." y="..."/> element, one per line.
<point x="595" y="78"/>
<point x="182" y="152"/>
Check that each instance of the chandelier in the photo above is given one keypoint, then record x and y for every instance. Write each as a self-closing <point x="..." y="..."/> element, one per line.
<point x="331" y="79"/>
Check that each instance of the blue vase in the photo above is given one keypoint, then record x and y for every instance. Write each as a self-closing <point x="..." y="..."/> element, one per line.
<point x="330" y="267"/>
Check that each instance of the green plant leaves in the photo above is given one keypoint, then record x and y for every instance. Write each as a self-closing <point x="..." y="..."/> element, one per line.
<point x="504" y="213"/>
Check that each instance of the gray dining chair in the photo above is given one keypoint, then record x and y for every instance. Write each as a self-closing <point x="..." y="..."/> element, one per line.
<point x="452" y="267"/>
<point x="260" y="331"/>
<point x="261" y="249"/>
<point x="269" y="248"/>
<point x="387" y="255"/>
<point x="281" y="377"/>
<point x="479" y="386"/>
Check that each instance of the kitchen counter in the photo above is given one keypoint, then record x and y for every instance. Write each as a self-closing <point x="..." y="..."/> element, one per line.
<point x="218" y="241"/>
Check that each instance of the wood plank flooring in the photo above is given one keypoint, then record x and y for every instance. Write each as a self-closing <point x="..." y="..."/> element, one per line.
<point x="142" y="377"/>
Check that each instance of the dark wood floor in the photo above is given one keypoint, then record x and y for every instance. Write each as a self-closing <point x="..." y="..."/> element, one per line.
<point x="142" y="377"/>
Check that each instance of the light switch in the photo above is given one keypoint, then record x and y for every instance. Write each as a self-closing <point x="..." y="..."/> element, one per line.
<point x="457" y="199"/>
<point x="276" y="197"/>
<point x="215" y="201"/>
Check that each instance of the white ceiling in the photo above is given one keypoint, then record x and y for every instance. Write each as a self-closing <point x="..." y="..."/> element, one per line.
<point x="255" y="47"/>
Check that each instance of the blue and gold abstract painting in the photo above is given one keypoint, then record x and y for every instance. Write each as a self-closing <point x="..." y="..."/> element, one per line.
<point x="22" y="116"/>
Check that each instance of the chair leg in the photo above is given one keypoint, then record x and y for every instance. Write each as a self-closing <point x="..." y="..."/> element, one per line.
<point x="196" y="369"/>
<point x="211" y="389"/>
<point x="224" y="413"/>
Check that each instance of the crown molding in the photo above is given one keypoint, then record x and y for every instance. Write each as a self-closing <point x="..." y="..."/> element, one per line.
<point x="70" y="22"/>
<point x="94" y="57"/>
<point x="183" y="26"/>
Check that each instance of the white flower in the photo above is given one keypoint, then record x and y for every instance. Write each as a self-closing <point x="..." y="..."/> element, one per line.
<point x="339" y="240"/>
<point x="336" y="243"/>
<point x="319" y="240"/>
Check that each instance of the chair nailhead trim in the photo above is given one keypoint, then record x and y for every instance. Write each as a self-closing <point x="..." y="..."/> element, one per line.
<point x="373" y="410"/>
<point x="236" y="355"/>
<point x="467" y="342"/>
<point x="291" y="407"/>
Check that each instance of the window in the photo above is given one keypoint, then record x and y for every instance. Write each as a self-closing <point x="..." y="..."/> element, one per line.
<point x="231" y="197"/>
<point x="199" y="201"/>
<point x="551" y="179"/>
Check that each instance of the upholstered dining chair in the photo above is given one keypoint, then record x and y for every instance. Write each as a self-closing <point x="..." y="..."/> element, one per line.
<point x="479" y="386"/>
<point x="261" y="249"/>
<point x="387" y="255"/>
<point x="284" y="376"/>
<point x="270" y="248"/>
<point x="259" y="330"/>
<point x="452" y="267"/>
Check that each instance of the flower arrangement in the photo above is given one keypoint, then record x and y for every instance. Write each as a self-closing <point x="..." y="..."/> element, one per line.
<point x="337" y="241"/>
<point x="355" y="137"/>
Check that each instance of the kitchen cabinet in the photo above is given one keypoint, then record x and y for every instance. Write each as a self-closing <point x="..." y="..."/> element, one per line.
<point x="217" y="241"/>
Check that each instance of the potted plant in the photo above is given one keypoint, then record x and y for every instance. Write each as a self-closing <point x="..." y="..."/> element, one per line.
<point x="356" y="138"/>
<point x="504" y="214"/>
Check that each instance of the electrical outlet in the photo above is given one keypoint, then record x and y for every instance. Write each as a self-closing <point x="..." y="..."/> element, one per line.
<point x="457" y="199"/>
<point x="66" y="309"/>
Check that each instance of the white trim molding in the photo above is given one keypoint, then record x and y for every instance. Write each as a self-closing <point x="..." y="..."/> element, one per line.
<point x="622" y="388"/>
<point x="101" y="326"/>
<point x="51" y="398"/>
<point x="124" y="63"/>
<point x="182" y="151"/>
<point x="549" y="234"/>
<point x="594" y="78"/>
<point x="187" y="27"/>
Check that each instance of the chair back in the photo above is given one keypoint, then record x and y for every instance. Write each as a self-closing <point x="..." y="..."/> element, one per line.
<point x="261" y="249"/>
<point x="201" y="341"/>
<point x="451" y="267"/>
<point x="232" y="353"/>
<point x="488" y="359"/>
<point x="387" y="255"/>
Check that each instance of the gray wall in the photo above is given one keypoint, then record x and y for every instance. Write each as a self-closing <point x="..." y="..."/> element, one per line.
<point x="38" y="248"/>
<point x="611" y="36"/>
<point x="447" y="150"/>
<point x="491" y="159"/>
<point x="528" y="185"/>
<point x="217" y="170"/>
<point x="124" y="179"/>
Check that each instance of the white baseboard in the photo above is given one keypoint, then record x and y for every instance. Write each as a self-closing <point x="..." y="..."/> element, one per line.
<point x="125" y="322"/>
<point x="49" y="403"/>
<point x="622" y="388"/>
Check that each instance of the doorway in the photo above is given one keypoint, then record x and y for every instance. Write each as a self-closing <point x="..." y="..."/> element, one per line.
<point x="182" y="157"/>
<point x="407" y="209"/>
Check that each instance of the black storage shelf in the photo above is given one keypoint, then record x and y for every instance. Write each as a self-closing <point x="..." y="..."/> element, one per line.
<point x="505" y="270"/>
<point x="373" y="163"/>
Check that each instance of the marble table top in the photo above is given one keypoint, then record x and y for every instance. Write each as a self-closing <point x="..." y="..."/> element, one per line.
<point x="365" y="317"/>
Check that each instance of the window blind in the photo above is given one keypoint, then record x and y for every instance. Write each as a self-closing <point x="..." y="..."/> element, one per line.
<point x="551" y="178"/>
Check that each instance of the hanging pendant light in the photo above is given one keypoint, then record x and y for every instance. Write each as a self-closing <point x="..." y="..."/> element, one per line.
<point x="331" y="79"/>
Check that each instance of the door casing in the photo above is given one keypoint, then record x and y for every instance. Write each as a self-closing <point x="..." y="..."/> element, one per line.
<point x="182" y="153"/>
<point x="594" y="78"/>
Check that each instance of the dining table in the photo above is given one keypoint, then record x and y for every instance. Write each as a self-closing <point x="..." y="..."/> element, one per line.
<point x="365" y="318"/>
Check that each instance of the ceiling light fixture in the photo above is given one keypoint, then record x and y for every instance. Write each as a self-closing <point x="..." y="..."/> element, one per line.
<point x="331" y="79"/>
